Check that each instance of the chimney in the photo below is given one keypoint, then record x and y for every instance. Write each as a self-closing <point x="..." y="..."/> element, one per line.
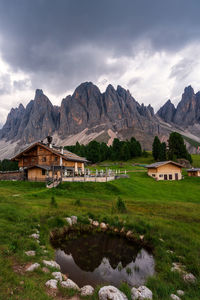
<point x="49" y="141"/>
<point x="61" y="149"/>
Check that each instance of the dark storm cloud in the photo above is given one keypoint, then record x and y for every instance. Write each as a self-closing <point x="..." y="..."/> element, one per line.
<point x="61" y="43"/>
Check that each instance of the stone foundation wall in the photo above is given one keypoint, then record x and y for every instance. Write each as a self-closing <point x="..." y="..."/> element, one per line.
<point x="11" y="175"/>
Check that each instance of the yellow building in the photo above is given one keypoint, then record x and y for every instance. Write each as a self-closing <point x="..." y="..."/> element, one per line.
<point x="165" y="170"/>
<point x="194" y="172"/>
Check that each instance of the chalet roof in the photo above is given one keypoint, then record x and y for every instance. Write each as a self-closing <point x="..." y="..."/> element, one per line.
<point x="193" y="170"/>
<point x="67" y="155"/>
<point x="162" y="163"/>
<point x="47" y="168"/>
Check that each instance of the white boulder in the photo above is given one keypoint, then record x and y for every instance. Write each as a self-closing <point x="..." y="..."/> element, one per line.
<point x="69" y="221"/>
<point x="69" y="284"/>
<point x="177" y="267"/>
<point x="189" y="277"/>
<point x="52" y="283"/>
<point x="57" y="276"/>
<point x="87" y="290"/>
<point x="174" y="297"/>
<point x="141" y="293"/>
<point x="95" y="223"/>
<point x="35" y="236"/>
<point x="51" y="263"/>
<point x="33" y="267"/>
<point x="129" y="233"/>
<point x="74" y="219"/>
<point x="103" y="226"/>
<point x="30" y="253"/>
<point x="180" y="293"/>
<point x="111" y="293"/>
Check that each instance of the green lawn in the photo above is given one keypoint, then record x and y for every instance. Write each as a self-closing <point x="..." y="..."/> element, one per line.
<point x="196" y="160"/>
<point x="159" y="210"/>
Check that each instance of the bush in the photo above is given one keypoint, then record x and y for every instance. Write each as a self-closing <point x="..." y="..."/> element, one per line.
<point x="121" y="205"/>
<point x="53" y="202"/>
<point x="77" y="202"/>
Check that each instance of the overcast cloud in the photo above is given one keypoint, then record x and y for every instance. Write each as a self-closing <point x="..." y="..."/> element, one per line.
<point x="151" y="48"/>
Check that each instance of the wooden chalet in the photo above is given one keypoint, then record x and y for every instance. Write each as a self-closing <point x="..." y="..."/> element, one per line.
<point x="165" y="170"/>
<point x="194" y="172"/>
<point x="41" y="162"/>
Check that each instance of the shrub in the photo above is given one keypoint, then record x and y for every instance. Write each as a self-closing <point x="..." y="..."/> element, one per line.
<point x="77" y="202"/>
<point x="121" y="205"/>
<point x="53" y="202"/>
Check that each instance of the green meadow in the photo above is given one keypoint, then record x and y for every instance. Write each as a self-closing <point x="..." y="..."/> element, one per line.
<point x="166" y="213"/>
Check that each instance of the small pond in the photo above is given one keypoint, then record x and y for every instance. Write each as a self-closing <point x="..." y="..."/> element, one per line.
<point x="100" y="258"/>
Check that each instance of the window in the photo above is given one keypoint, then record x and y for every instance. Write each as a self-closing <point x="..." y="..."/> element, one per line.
<point x="161" y="175"/>
<point x="43" y="172"/>
<point x="170" y="176"/>
<point x="153" y="175"/>
<point x="44" y="159"/>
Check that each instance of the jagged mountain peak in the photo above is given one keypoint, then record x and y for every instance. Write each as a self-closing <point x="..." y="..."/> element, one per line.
<point x="87" y="108"/>
<point x="188" y="90"/>
<point x="94" y="113"/>
<point x="38" y="93"/>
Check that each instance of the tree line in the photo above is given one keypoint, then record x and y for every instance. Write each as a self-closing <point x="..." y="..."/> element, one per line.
<point x="176" y="148"/>
<point x="97" y="152"/>
<point x="8" y="165"/>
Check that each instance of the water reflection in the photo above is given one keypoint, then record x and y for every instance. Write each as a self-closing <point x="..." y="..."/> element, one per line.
<point x="103" y="259"/>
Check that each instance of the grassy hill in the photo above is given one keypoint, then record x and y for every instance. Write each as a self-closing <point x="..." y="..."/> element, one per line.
<point x="166" y="213"/>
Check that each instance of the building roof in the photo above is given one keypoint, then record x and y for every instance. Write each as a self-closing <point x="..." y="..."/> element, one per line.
<point x="47" y="168"/>
<point x="162" y="163"/>
<point x="67" y="155"/>
<point x="193" y="170"/>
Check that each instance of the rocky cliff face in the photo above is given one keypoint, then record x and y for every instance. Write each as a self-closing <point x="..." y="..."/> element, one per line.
<point x="38" y="119"/>
<point x="167" y="112"/>
<point x="187" y="112"/>
<point x="87" y="108"/>
<point x="89" y="114"/>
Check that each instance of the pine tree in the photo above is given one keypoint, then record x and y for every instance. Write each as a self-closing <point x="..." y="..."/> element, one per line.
<point x="125" y="152"/>
<point x="177" y="148"/>
<point x="162" y="154"/>
<point x="156" y="148"/>
<point x="93" y="152"/>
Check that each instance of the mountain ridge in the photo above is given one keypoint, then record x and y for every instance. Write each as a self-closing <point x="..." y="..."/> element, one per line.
<point x="89" y="114"/>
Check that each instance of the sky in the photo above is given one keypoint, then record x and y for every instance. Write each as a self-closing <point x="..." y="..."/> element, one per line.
<point x="151" y="47"/>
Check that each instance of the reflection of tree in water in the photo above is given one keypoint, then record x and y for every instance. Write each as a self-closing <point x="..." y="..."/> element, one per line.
<point x="89" y="250"/>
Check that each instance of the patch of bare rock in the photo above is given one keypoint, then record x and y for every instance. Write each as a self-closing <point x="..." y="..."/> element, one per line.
<point x="33" y="267"/>
<point x="180" y="268"/>
<point x="141" y="293"/>
<point x="111" y="293"/>
<point x="30" y="253"/>
<point x="71" y="220"/>
<point x="70" y="285"/>
<point x="51" y="263"/>
<point x="174" y="297"/>
<point x="87" y="290"/>
<point x="52" y="283"/>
